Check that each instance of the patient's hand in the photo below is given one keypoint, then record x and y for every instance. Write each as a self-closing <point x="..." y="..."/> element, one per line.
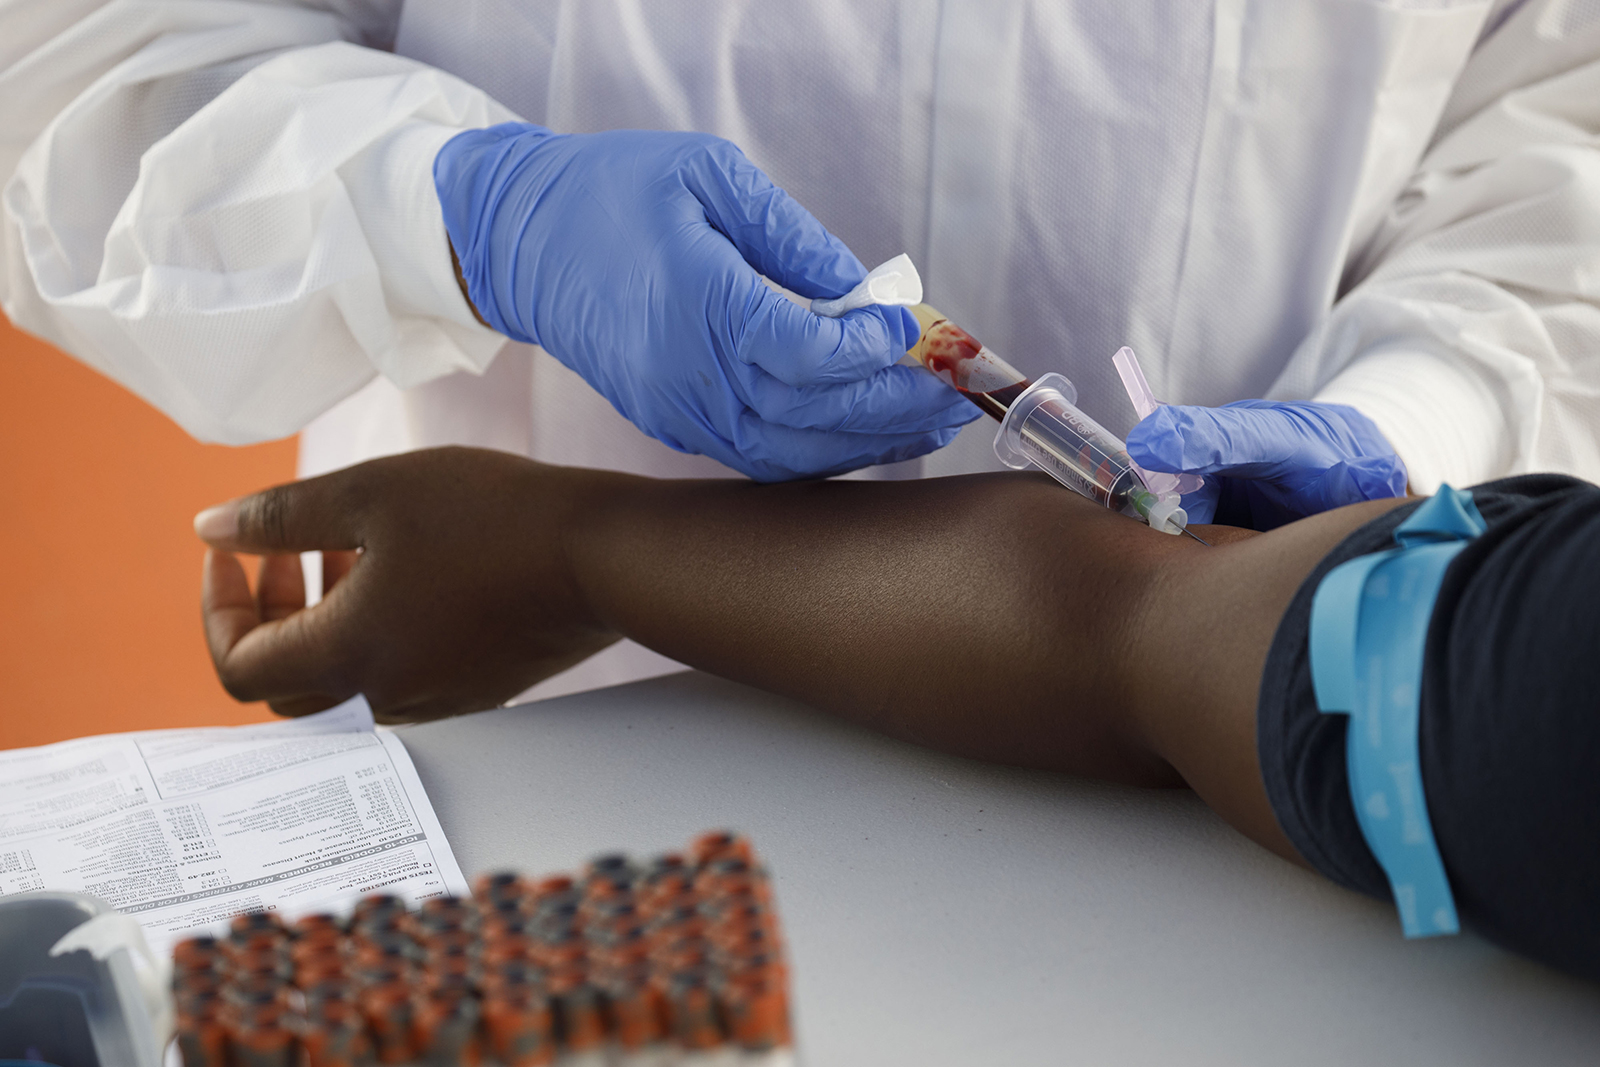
<point x="461" y="595"/>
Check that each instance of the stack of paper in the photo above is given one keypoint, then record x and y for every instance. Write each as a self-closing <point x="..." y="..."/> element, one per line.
<point x="184" y="828"/>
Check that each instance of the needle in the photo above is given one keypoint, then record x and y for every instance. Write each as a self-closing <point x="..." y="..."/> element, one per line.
<point x="1196" y="536"/>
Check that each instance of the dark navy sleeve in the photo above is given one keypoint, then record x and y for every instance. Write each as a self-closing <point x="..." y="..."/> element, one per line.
<point x="1510" y="727"/>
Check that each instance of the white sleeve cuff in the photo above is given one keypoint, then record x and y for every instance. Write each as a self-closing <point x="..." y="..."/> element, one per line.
<point x="391" y="188"/>
<point x="1445" y="423"/>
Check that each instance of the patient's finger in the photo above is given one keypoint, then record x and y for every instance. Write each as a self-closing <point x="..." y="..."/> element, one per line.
<point x="227" y="607"/>
<point x="319" y="513"/>
<point x="282" y="661"/>
<point x="280" y="587"/>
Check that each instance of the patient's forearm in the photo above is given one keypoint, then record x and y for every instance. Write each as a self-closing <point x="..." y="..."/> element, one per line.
<point x="990" y="615"/>
<point x="996" y="616"/>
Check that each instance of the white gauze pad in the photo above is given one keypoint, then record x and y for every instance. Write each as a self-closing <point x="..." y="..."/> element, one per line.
<point x="895" y="282"/>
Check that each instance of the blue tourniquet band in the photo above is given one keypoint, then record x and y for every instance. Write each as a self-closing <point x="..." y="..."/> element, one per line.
<point x="1369" y="626"/>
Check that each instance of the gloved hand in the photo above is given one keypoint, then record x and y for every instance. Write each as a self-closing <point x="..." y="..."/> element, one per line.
<point x="1268" y="463"/>
<point x="634" y="257"/>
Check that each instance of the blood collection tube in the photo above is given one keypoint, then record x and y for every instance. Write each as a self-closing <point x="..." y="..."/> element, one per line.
<point x="258" y="991"/>
<point x="381" y="908"/>
<point x="720" y="845"/>
<point x="257" y="922"/>
<point x="499" y="885"/>
<point x="202" y="1037"/>
<point x="757" y="1012"/>
<point x="555" y="888"/>
<point x="504" y="951"/>
<point x="391" y="952"/>
<point x="667" y="877"/>
<point x="681" y="915"/>
<point x="579" y="1019"/>
<point x="201" y="988"/>
<point x="506" y="937"/>
<point x="389" y="1013"/>
<point x="692" y="1013"/>
<point x="434" y="938"/>
<point x="511" y="974"/>
<point x="609" y="919"/>
<point x="318" y="927"/>
<point x="260" y="1037"/>
<point x="635" y="1009"/>
<point x="447" y="913"/>
<point x="333" y="1034"/>
<point x="552" y="919"/>
<point x="727" y="874"/>
<point x="323" y="967"/>
<point x="734" y="913"/>
<point x="505" y="905"/>
<point x="521" y="1027"/>
<point x="610" y="874"/>
<point x="746" y="941"/>
<point x="249" y="949"/>
<point x="445" y="1028"/>
<point x="454" y="961"/>
<point x="956" y="357"/>
<point x="197" y="999"/>
<point x="195" y="954"/>
<point x="566" y="956"/>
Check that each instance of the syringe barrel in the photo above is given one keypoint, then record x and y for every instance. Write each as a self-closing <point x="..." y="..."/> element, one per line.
<point x="1044" y="429"/>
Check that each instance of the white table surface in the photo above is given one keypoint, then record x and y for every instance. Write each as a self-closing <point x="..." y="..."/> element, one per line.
<point x="940" y="911"/>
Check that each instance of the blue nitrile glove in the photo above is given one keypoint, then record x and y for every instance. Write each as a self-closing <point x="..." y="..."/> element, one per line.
<point x="1268" y="463"/>
<point x="635" y="258"/>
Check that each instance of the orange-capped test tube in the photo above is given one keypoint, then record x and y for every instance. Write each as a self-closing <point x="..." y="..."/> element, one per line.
<point x="720" y="844"/>
<point x="692" y="1013"/>
<point x="636" y="1011"/>
<point x="556" y="886"/>
<point x="333" y="1034"/>
<point x="260" y="1037"/>
<point x="378" y="908"/>
<point x="445" y="1028"/>
<point x="389" y="1014"/>
<point x="202" y="1038"/>
<point x="579" y="1019"/>
<point x="521" y="1027"/>
<point x="499" y="885"/>
<point x="196" y="954"/>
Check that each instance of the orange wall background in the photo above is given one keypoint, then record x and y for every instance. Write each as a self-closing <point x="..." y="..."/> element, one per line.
<point x="99" y="565"/>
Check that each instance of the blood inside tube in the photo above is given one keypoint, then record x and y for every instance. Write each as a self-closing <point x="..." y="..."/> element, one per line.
<point x="956" y="357"/>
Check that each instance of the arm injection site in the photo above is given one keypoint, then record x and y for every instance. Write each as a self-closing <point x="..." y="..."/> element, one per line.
<point x="1040" y="426"/>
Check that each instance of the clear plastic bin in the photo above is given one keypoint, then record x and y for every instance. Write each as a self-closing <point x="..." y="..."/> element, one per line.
<point x="70" y="1010"/>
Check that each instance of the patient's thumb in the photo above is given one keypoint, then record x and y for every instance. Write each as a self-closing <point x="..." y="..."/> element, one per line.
<point x="297" y="517"/>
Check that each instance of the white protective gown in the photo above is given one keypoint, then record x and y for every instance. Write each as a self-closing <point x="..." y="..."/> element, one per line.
<point x="227" y="205"/>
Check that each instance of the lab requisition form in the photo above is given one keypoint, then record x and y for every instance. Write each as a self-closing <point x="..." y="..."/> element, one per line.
<point x="184" y="828"/>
